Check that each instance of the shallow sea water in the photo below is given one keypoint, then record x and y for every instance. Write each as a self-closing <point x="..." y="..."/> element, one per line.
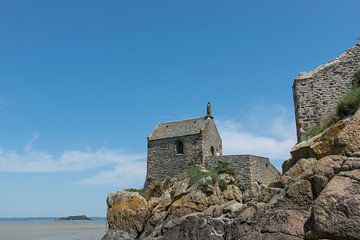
<point x="52" y="230"/>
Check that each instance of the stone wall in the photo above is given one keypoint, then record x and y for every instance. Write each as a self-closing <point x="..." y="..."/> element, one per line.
<point x="240" y="164"/>
<point x="163" y="161"/>
<point x="211" y="138"/>
<point x="262" y="171"/>
<point x="316" y="93"/>
<point x="248" y="169"/>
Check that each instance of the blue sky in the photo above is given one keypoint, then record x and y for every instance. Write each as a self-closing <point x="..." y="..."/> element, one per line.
<point x="84" y="82"/>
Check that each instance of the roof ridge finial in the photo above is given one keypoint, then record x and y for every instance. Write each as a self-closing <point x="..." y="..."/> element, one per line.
<point x="208" y="110"/>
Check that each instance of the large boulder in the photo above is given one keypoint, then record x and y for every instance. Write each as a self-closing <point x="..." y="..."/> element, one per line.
<point x="260" y="222"/>
<point x="232" y="193"/>
<point x="127" y="214"/>
<point x="185" y="206"/>
<point x="180" y="188"/>
<point x="300" y="167"/>
<point x="341" y="138"/>
<point x="348" y="141"/>
<point x="193" y="226"/>
<point x="320" y="145"/>
<point x="336" y="212"/>
<point x="231" y="208"/>
<point x="298" y="196"/>
<point x="329" y="166"/>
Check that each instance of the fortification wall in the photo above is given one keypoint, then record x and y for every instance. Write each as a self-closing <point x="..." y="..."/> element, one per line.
<point x="262" y="171"/>
<point x="163" y="161"/>
<point x="248" y="168"/>
<point x="240" y="164"/>
<point x="316" y="93"/>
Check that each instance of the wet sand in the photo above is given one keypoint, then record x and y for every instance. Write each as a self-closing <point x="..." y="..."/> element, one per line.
<point x="67" y="230"/>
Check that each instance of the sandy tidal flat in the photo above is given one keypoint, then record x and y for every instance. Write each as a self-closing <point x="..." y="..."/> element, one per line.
<point x="67" y="230"/>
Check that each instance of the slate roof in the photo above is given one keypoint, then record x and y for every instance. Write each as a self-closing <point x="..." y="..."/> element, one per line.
<point x="178" y="129"/>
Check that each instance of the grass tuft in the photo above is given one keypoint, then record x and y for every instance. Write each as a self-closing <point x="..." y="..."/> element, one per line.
<point x="321" y="126"/>
<point x="224" y="167"/>
<point x="223" y="185"/>
<point x="153" y="190"/>
<point x="349" y="103"/>
<point x="195" y="173"/>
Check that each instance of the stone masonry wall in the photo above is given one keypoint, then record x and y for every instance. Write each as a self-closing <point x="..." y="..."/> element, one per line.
<point x="211" y="138"/>
<point x="163" y="161"/>
<point x="248" y="169"/>
<point x="240" y="164"/>
<point x="262" y="171"/>
<point x="316" y="93"/>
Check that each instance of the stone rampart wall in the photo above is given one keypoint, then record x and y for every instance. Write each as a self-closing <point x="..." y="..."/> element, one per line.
<point x="316" y="93"/>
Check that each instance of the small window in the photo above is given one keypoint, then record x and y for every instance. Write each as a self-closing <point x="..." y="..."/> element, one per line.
<point x="212" y="149"/>
<point x="180" y="147"/>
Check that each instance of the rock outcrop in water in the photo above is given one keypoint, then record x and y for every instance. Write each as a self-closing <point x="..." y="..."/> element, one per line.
<point x="317" y="197"/>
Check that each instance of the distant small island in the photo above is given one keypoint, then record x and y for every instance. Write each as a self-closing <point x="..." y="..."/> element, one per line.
<point x="74" y="218"/>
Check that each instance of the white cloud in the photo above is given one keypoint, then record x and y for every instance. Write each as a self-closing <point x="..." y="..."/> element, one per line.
<point x="268" y="132"/>
<point x="126" y="168"/>
<point x="236" y="141"/>
<point x="35" y="161"/>
<point x="130" y="174"/>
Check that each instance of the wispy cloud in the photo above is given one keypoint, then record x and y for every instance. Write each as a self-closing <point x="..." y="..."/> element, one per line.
<point x="130" y="174"/>
<point x="36" y="161"/>
<point x="126" y="168"/>
<point x="266" y="131"/>
<point x="29" y="144"/>
<point x="238" y="141"/>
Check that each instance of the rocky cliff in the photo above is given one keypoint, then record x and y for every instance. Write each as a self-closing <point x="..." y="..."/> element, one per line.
<point x="317" y="197"/>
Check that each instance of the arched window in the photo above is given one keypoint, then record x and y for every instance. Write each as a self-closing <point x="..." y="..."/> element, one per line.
<point x="180" y="147"/>
<point x="212" y="149"/>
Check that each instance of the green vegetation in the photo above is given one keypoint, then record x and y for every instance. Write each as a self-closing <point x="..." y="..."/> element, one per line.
<point x="132" y="190"/>
<point x="222" y="185"/>
<point x="346" y="106"/>
<point x="224" y="167"/>
<point x="155" y="189"/>
<point x="195" y="173"/>
<point x="349" y="103"/>
<point x="321" y="126"/>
